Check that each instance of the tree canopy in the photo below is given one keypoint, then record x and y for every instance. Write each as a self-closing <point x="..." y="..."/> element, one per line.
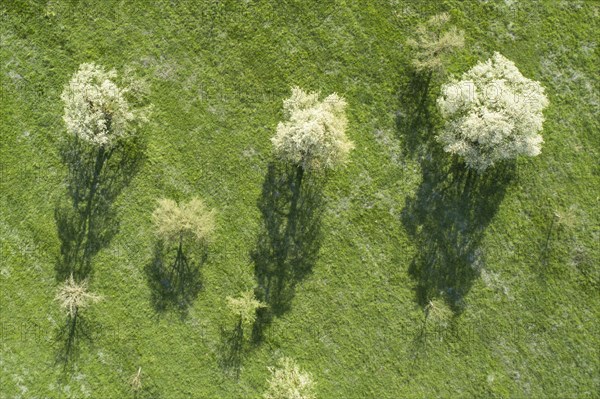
<point x="492" y="113"/>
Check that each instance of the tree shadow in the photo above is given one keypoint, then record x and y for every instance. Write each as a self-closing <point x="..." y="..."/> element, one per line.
<point x="289" y="241"/>
<point x="430" y="330"/>
<point x="174" y="277"/>
<point x="414" y="121"/>
<point x="546" y="247"/>
<point x="85" y="219"/>
<point x="446" y="219"/>
<point x="69" y="338"/>
<point x="448" y="215"/>
<point x="231" y="351"/>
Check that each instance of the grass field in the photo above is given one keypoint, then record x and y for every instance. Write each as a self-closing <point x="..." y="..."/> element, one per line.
<point x="380" y="237"/>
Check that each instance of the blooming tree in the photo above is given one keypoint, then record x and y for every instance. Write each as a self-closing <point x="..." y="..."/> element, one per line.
<point x="178" y="224"/>
<point x="74" y="296"/>
<point x="289" y="382"/>
<point x="175" y="223"/>
<point x="97" y="110"/>
<point x="438" y="312"/>
<point x="493" y="113"/>
<point x="433" y="42"/>
<point x="245" y="308"/>
<point x="313" y="134"/>
<point x="136" y="381"/>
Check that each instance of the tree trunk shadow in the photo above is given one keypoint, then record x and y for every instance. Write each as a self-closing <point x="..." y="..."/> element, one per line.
<point x="231" y="351"/>
<point x="414" y="122"/>
<point x="86" y="220"/>
<point x="174" y="285"/>
<point x="446" y="219"/>
<point x="289" y="241"/>
<point x="69" y="338"/>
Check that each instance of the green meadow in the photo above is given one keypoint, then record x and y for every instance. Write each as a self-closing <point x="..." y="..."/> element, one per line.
<point x="514" y="252"/>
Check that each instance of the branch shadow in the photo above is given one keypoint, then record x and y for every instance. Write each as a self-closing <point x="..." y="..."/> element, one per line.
<point x="447" y="216"/>
<point x="414" y="122"/>
<point x="447" y="219"/>
<point x="69" y="338"/>
<point x="231" y="351"/>
<point x="429" y="331"/>
<point x="174" y="284"/>
<point x="289" y="241"/>
<point x="545" y="251"/>
<point x="86" y="219"/>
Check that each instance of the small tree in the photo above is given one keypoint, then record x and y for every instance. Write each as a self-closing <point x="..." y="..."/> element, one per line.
<point x="493" y="113"/>
<point x="176" y="224"/>
<point x="244" y="308"/>
<point x="566" y="218"/>
<point x="289" y="382"/>
<point x="438" y="312"/>
<point x="313" y="135"/>
<point x="136" y="381"/>
<point x="433" y="43"/>
<point x="74" y="296"/>
<point x="97" y="110"/>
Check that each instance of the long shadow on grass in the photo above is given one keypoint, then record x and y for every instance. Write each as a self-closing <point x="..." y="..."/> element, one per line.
<point x="86" y="219"/>
<point x="69" y="339"/>
<point x="447" y="219"/>
<point x="448" y="215"/>
<point x="232" y="345"/>
<point x="174" y="277"/>
<point x="414" y="120"/>
<point x="289" y="241"/>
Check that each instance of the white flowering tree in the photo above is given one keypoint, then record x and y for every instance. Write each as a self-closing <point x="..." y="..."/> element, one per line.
<point x="97" y="110"/>
<point x="288" y="381"/>
<point x="313" y="136"/>
<point x="438" y="312"/>
<point x="492" y="113"/>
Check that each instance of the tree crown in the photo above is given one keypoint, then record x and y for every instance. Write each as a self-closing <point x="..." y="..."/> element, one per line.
<point x="73" y="296"/>
<point x="434" y="41"/>
<point x="492" y="113"/>
<point x="192" y="219"/>
<point x="313" y="135"/>
<point x="245" y="307"/>
<point x="97" y="110"/>
<point x="289" y="382"/>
